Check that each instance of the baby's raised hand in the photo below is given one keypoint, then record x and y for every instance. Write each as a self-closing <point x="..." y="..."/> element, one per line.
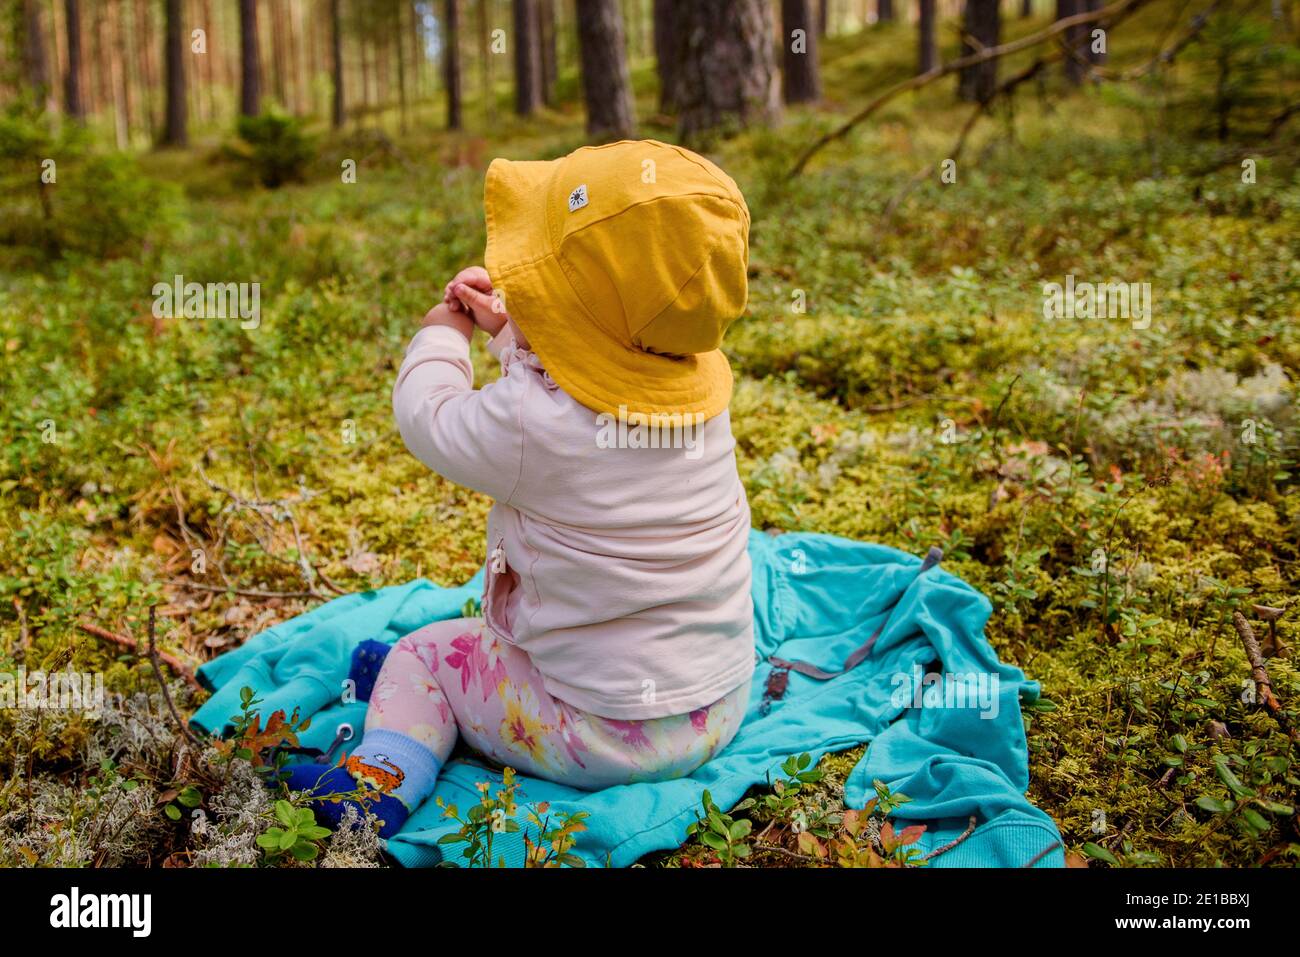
<point x="475" y="277"/>
<point x="471" y="291"/>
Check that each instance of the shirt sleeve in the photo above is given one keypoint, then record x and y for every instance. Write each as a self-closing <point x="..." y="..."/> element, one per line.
<point x="473" y="438"/>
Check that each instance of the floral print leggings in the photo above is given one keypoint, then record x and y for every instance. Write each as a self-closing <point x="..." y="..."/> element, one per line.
<point x="457" y="676"/>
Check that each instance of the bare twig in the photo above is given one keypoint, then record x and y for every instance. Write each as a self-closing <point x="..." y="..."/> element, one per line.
<point x="130" y="643"/>
<point x="970" y="829"/>
<point x="154" y="656"/>
<point x="1042" y="854"/>
<point x="1263" y="684"/>
<point x="242" y="592"/>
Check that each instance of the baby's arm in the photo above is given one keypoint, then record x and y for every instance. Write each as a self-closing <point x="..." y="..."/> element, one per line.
<point x="470" y="437"/>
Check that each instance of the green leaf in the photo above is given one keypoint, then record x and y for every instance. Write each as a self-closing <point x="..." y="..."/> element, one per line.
<point x="304" y="851"/>
<point x="1273" y="807"/>
<point x="173" y="812"/>
<point x="714" y="841"/>
<point x="1100" y="853"/>
<point x="1230" y="779"/>
<point x="190" y="797"/>
<point x="1214" y="805"/>
<point x="288" y="839"/>
<point x="1256" y="820"/>
<point x="285" y="813"/>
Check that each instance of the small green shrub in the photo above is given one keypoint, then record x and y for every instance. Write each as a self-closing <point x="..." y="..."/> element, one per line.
<point x="275" y="147"/>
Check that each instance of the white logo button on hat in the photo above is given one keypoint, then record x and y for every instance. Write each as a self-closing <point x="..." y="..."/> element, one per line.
<point x="578" y="198"/>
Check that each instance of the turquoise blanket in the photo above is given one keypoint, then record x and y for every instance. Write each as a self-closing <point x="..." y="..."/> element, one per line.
<point x="952" y="741"/>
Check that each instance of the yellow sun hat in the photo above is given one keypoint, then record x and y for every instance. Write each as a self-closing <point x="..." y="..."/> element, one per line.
<point x="623" y="264"/>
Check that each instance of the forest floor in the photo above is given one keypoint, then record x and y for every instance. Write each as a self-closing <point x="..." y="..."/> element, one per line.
<point x="1118" y="489"/>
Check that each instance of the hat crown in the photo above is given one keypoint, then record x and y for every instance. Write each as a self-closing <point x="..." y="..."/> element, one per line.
<point x="655" y="240"/>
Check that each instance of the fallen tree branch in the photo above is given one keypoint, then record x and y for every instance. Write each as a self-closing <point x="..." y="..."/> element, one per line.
<point x="1263" y="684"/>
<point x="952" y="66"/>
<point x="131" y="644"/>
<point x="980" y="111"/>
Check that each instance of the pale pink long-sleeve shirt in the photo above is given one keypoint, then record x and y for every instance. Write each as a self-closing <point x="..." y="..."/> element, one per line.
<point x="622" y="572"/>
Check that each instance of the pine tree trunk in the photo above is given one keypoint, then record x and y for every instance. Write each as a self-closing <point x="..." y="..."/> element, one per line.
<point x="451" y="61"/>
<point x="885" y="11"/>
<point x="823" y="17"/>
<point x="35" y="57"/>
<point x="982" y="21"/>
<point x="1094" y="56"/>
<point x="528" y="65"/>
<point x="927" y="52"/>
<point x="401" y="68"/>
<point x="665" y="41"/>
<point x="338" y="113"/>
<point x="1073" y="38"/>
<point x="605" y="82"/>
<point x="72" y="81"/>
<point x="1026" y="8"/>
<point x="250" y="79"/>
<point x="485" y="62"/>
<point x="727" y="67"/>
<point x="799" y="39"/>
<point x="117" y="76"/>
<point x="175" y="133"/>
<point x="546" y="44"/>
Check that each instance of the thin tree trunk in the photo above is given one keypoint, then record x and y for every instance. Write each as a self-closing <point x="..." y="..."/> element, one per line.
<point x="337" y="113"/>
<point x="927" y="53"/>
<point x="823" y="17"/>
<point x="399" y="49"/>
<point x="665" y="52"/>
<point x="111" y="47"/>
<point x="485" y="62"/>
<point x="981" y="25"/>
<point x="605" y="83"/>
<point x="884" y="11"/>
<point x="175" y="132"/>
<point x="546" y="43"/>
<point x="1094" y="56"/>
<point x="1026" y="8"/>
<point x="72" y="80"/>
<point x="726" y="64"/>
<point x="528" y="66"/>
<point x="1073" y="38"/>
<point x="799" y="39"/>
<point x="35" y="57"/>
<point x="278" y="65"/>
<point x="250" y="79"/>
<point x="451" y="62"/>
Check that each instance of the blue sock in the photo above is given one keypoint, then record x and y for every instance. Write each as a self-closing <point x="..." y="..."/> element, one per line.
<point x="399" y="771"/>
<point x="396" y="764"/>
<point x="322" y="781"/>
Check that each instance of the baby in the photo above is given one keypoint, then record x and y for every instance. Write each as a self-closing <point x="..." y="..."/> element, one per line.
<point x="616" y="639"/>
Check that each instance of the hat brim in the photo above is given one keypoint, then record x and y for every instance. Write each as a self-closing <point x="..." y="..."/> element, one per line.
<point x="592" y="366"/>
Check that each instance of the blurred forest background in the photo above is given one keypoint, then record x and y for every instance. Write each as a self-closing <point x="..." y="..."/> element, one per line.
<point x="1123" y="488"/>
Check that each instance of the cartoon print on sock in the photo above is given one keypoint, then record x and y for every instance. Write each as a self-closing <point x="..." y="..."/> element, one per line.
<point x="383" y="775"/>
